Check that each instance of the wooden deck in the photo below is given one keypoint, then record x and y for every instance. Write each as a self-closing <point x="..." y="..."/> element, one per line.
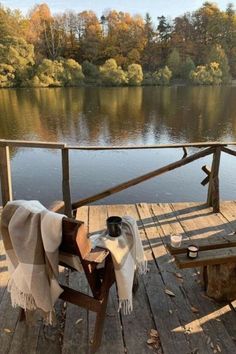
<point x="188" y="322"/>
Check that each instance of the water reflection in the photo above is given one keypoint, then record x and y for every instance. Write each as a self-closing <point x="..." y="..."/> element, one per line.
<point x="106" y="116"/>
<point x="124" y="115"/>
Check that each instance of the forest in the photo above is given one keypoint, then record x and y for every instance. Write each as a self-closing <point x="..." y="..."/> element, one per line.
<point x="42" y="49"/>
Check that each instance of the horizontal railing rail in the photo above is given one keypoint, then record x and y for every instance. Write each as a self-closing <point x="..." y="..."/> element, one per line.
<point x="212" y="178"/>
<point x="51" y="145"/>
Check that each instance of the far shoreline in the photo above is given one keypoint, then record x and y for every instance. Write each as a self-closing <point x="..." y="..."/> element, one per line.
<point x="174" y="84"/>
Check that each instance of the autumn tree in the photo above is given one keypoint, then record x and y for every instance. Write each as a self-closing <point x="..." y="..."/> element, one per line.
<point x="11" y="23"/>
<point x="208" y="26"/>
<point x="112" y="74"/>
<point x="7" y="76"/>
<point x="90" y="37"/>
<point x="162" y="76"/>
<point x="135" y="74"/>
<point x="125" y="38"/>
<point x="17" y="53"/>
<point x="58" y="73"/>
<point x="217" y="54"/>
<point x="36" y="28"/>
<point x="209" y="74"/>
<point x="182" y="37"/>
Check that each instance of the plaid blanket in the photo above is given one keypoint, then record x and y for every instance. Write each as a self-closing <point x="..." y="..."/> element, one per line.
<point x="31" y="236"/>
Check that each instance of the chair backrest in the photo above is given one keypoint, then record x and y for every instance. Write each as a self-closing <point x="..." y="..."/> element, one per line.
<point x="75" y="238"/>
<point x="75" y="241"/>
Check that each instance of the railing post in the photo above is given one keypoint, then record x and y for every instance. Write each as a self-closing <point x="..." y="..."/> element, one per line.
<point x="66" y="182"/>
<point x="5" y="174"/>
<point x="213" y="197"/>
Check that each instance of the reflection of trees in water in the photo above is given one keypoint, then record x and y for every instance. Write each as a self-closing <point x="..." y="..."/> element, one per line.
<point x="118" y="115"/>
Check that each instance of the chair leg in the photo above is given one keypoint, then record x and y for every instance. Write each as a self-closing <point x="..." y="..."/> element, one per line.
<point x="98" y="330"/>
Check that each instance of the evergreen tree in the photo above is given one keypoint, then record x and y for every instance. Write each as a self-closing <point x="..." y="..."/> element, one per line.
<point x="187" y="67"/>
<point x="174" y="62"/>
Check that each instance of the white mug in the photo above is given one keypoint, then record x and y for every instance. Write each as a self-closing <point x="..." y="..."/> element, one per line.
<point x="175" y="240"/>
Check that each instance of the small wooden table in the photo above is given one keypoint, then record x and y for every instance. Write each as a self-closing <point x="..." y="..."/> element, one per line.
<point x="218" y="265"/>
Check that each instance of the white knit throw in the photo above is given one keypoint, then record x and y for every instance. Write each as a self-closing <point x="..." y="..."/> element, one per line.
<point x="127" y="255"/>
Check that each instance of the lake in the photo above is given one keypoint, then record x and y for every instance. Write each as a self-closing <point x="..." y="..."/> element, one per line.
<point x="118" y="116"/>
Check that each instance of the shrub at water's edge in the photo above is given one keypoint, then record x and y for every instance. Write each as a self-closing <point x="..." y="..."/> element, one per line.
<point x="210" y="74"/>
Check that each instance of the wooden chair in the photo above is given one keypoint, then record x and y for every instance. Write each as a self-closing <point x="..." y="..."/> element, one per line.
<point x="100" y="279"/>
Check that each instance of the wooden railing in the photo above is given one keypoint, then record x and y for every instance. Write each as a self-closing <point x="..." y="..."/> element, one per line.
<point x="207" y="148"/>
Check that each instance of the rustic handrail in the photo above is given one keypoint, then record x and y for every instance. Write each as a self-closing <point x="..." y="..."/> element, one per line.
<point x="137" y="180"/>
<point x="32" y="144"/>
<point x="212" y="178"/>
<point x="53" y="145"/>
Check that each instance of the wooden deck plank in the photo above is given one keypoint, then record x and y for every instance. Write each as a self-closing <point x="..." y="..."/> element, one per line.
<point x="8" y="321"/>
<point x="50" y="337"/>
<point x="4" y="276"/>
<point x="210" y="315"/>
<point x="228" y="210"/>
<point x="200" y="223"/>
<point x="140" y="321"/>
<point x="166" y="224"/>
<point x="112" y="341"/>
<point x="169" y="313"/>
<point x="76" y="337"/>
<point x="213" y="315"/>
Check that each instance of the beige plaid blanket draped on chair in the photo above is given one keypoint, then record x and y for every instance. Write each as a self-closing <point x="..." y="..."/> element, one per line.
<point x="31" y="236"/>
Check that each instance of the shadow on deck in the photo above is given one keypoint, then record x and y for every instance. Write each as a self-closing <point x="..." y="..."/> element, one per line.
<point x="188" y="322"/>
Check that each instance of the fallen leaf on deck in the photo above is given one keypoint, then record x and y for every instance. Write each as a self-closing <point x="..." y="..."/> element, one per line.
<point x="178" y="275"/>
<point x="188" y="331"/>
<point x="168" y="292"/>
<point x="154" y="333"/>
<point x="212" y="345"/>
<point x="79" y="320"/>
<point x="7" y="330"/>
<point x="218" y="348"/>
<point x="151" y="341"/>
<point x="194" y="351"/>
<point x="194" y="309"/>
<point x="208" y="340"/>
<point x="170" y="311"/>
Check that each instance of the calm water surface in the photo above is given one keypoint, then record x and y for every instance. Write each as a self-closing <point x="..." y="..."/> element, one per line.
<point x="117" y="116"/>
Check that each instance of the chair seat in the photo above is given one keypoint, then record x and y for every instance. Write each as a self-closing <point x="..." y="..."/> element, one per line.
<point x="71" y="261"/>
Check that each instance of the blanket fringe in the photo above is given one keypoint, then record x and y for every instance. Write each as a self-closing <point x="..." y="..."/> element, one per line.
<point x="18" y="298"/>
<point x="142" y="267"/>
<point x="126" y="306"/>
<point x="26" y="302"/>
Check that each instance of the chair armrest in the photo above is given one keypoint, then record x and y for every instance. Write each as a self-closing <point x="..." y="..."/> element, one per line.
<point x="97" y="255"/>
<point x="57" y="206"/>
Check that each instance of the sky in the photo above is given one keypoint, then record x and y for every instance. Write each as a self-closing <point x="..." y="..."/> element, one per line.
<point x="156" y="8"/>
